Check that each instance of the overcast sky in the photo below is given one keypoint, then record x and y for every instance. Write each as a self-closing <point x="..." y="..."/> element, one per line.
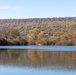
<point x="37" y="8"/>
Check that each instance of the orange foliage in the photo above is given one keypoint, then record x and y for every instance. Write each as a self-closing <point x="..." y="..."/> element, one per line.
<point x="74" y="36"/>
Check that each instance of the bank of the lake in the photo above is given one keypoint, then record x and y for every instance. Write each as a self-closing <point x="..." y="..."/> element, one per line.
<point x="38" y="31"/>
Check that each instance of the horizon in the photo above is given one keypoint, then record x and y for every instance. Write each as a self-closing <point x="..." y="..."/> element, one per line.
<point x="37" y="18"/>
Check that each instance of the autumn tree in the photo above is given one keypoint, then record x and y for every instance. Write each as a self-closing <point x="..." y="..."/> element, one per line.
<point x="12" y="32"/>
<point x="36" y="36"/>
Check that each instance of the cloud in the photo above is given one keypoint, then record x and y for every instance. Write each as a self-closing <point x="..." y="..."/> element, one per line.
<point x="16" y="7"/>
<point x="4" y="7"/>
<point x="10" y="7"/>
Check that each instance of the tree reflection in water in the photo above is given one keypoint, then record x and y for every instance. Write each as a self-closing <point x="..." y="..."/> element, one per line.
<point x="38" y="58"/>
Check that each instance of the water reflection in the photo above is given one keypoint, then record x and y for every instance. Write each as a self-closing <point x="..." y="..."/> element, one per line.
<point x="38" y="58"/>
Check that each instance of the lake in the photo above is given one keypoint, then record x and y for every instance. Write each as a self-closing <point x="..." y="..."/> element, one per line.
<point x="37" y="60"/>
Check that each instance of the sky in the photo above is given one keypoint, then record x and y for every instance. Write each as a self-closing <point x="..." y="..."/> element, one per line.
<point x="37" y="8"/>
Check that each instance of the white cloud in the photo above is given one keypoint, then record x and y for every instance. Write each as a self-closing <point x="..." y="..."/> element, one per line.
<point x="9" y="7"/>
<point x="4" y="7"/>
<point x="16" y="7"/>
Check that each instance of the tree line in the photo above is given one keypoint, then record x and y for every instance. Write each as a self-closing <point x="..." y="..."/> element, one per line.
<point x="38" y="31"/>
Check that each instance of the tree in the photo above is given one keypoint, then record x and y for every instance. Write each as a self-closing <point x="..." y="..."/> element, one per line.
<point x="32" y="36"/>
<point x="37" y="37"/>
<point x="12" y="32"/>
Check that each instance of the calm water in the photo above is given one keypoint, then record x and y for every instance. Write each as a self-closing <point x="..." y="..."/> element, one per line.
<point x="54" y="48"/>
<point x="37" y="60"/>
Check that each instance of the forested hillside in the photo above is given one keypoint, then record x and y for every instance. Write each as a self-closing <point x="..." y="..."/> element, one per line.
<point x="38" y="31"/>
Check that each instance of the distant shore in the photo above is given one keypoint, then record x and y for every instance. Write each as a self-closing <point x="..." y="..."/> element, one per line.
<point x="38" y="31"/>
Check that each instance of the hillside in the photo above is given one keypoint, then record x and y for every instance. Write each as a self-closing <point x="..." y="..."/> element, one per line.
<point x="38" y="31"/>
